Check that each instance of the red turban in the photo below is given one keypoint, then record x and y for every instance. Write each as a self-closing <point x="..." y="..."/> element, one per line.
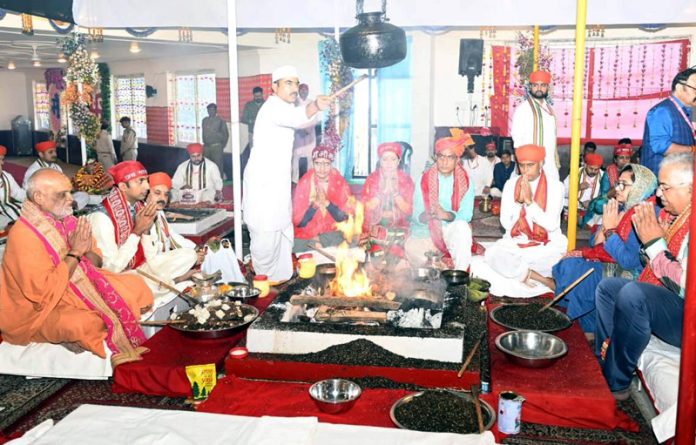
<point x="623" y="150"/>
<point x="457" y="142"/>
<point x="393" y="147"/>
<point x="530" y="153"/>
<point x="127" y="170"/>
<point x="594" y="160"/>
<point x="45" y="146"/>
<point x="160" y="178"/>
<point x="491" y="144"/>
<point x="323" y="152"/>
<point x="194" y="149"/>
<point x="540" y="77"/>
<point x="3" y="150"/>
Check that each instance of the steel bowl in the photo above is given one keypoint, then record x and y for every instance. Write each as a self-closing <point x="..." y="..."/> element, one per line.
<point x="488" y="411"/>
<point x="455" y="277"/>
<point x="566" y="319"/>
<point x="335" y="396"/>
<point x="531" y="349"/>
<point x="241" y="292"/>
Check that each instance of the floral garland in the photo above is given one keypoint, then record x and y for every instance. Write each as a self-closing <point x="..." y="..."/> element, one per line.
<point x="105" y="88"/>
<point x="82" y="70"/>
<point x="339" y="74"/>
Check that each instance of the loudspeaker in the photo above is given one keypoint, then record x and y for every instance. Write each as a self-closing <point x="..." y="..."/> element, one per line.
<point x="470" y="57"/>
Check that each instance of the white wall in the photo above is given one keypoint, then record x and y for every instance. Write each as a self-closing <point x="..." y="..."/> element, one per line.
<point x="13" y="98"/>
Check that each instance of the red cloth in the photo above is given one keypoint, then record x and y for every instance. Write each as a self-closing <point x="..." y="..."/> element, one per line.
<point x="3" y="150"/>
<point x="194" y="149"/>
<point x="116" y="206"/>
<point x="571" y="393"/>
<point x="613" y="174"/>
<point x="536" y="234"/>
<point x="372" y="190"/>
<point x="338" y="194"/>
<point x="127" y="170"/>
<point x="594" y="160"/>
<point x="500" y="97"/>
<point x="45" y="146"/>
<point x="162" y="371"/>
<point x="540" y="76"/>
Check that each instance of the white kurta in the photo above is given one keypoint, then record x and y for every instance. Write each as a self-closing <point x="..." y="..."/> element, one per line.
<point x="213" y="180"/>
<point x="506" y="264"/>
<point x="589" y="193"/>
<point x="305" y="141"/>
<point x="38" y="165"/>
<point x="267" y="201"/>
<point x="522" y="133"/>
<point x="9" y="213"/>
<point x="480" y="171"/>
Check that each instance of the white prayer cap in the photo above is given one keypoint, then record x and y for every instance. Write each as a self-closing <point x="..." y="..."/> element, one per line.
<point x="284" y="72"/>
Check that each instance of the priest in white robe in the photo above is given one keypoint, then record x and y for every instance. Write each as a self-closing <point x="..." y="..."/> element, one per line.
<point x="590" y="181"/>
<point x="534" y="122"/>
<point x="530" y="213"/>
<point x="47" y="159"/>
<point x="11" y="195"/>
<point x="196" y="180"/>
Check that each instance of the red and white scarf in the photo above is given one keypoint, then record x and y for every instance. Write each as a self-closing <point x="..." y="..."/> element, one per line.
<point x="536" y="234"/>
<point x="118" y="210"/>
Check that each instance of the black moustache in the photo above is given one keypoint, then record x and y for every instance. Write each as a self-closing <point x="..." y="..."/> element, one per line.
<point x="162" y="202"/>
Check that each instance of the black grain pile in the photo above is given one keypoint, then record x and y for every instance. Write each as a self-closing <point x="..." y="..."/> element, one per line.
<point x="527" y="316"/>
<point x="440" y="412"/>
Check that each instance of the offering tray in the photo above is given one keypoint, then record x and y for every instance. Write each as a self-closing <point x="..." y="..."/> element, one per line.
<point x="193" y="221"/>
<point x="223" y="319"/>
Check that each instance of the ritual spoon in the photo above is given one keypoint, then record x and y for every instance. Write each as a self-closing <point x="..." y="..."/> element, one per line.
<point x="566" y="290"/>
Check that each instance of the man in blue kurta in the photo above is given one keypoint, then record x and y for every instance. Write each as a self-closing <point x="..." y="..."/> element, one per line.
<point x="443" y="206"/>
<point x="668" y="126"/>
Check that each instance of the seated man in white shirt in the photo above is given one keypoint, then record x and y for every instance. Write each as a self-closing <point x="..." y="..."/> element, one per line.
<point x="47" y="159"/>
<point x="590" y="181"/>
<point x="197" y="180"/>
<point x="11" y="196"/>
<point x="530" y="212"/>
<point x="122" y="228"/>
<point x="479" y="168"/>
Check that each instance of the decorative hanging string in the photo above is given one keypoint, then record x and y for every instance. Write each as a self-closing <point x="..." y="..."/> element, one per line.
<point x="185" y="34"/>
<point x="61" y="27"/>
<point x="140" y="32"/>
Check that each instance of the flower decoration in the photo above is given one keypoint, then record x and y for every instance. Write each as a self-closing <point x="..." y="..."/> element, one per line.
<point x="339" y="75"/>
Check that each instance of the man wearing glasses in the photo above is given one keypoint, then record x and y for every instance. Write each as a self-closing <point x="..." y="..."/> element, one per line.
<point x="534" y="122"/>
<point x="443" y="206"/>
<point x="668" y="126"/>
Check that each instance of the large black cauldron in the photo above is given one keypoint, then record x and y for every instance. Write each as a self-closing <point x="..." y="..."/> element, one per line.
<point x="373" y="43"/>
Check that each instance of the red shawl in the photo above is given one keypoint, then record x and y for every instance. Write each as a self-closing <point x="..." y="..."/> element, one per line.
<point x="117" y="208"/>
<point x="675" y="238"/>
<point x="536" y="234"/>
<point x="371" y="190"/>
<point x="598" y="253"/>
<point x="338" y="194"/>
<point x="430" y="187"/>
<point x="613" y="174"/>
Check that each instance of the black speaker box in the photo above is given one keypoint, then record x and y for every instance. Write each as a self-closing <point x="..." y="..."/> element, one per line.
<point x="470" y="57"/>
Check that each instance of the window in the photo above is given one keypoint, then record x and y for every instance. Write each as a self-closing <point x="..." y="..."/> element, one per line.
<point x="192" y="95"/>
<point x="129" y="100"/>
<point x="365" y="114"/>
<point x="41" y="106"/>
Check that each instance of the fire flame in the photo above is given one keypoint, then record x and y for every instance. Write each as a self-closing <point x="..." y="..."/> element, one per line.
<point x="351" y="279"/>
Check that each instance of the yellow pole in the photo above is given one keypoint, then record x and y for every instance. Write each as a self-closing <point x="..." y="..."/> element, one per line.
<point x="576" y="119"/>
<point x="536" y="48"/>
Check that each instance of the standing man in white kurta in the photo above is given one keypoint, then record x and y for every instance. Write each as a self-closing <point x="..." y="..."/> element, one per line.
<point x="531" y="215"/>
<point x="47" y="159"/>
<point x="534" y="122"/>
<point x="267" y="201"/>
<point x="305" y="139"/>
<point x="200" y="176"/>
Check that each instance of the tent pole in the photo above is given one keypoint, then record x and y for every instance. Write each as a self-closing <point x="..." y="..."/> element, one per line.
<point x="686" y="404"/>
<point x="234" y="121"/>
<point x="576" y="119"/>
<point x="536" y="48"/>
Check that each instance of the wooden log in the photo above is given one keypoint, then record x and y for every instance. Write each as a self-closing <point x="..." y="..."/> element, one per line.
<point x="344" y="315"/>
<point x="369" y="302"/>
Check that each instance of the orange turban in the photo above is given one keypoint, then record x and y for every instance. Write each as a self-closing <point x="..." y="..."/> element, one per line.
<point x="540" y="76"/>
<point x="45" y="146"/>
<point x="160" y="178"/>
<point x="127" y="170"/>
<point x="194" y="149"/>
<point x="457" y="142"/>
<point x="530" y="153"/>
<point x="623" y="150"/>
<point x="594" y="160"/>
<point x="393" y="147"/>
<point x="3" y="150"/>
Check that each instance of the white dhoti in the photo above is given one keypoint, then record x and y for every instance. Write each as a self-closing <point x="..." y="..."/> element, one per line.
<point x="506" y="266"/>
<point x="271" y="252"/>
<point x="457" y="237"/>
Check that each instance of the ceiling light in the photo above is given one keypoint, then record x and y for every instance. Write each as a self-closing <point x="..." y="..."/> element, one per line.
<point x="61" y="58"/>
<point x="36" y="63"/>
<point x="11" y="66"/>
<point x="94" y="55"/>
<point x="134" y="47"/>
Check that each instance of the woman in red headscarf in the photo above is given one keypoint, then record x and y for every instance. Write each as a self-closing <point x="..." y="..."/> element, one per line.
<point x="388" y="192"/>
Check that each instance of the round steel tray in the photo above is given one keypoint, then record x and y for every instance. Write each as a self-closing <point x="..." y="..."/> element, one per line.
<point x="227" y="331"/>
<point x="493" y="314"/>
<point x="485" y="407"/>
